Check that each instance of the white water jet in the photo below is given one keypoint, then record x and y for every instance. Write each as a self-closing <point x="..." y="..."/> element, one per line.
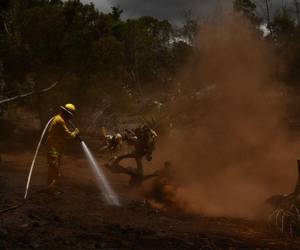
<point x="107" y="192"/>
<point x="35" y="155"/>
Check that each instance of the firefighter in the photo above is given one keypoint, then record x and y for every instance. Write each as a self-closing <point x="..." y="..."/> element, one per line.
<point x="148" y="141"/>
<point x="113" y="142"/>
<point x="143" y="139"/>
<point x="58" y="136"/>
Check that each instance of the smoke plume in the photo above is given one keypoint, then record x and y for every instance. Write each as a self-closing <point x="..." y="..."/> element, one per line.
<point x="235" y="150"/>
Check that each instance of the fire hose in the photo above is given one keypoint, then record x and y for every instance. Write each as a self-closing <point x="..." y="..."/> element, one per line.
<point x="30" y="172"/>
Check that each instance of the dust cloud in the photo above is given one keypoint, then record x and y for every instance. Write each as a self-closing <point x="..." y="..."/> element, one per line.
<point x="236" y="150"/>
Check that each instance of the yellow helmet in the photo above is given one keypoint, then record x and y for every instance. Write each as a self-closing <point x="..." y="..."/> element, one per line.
<point x="69" y="108"/>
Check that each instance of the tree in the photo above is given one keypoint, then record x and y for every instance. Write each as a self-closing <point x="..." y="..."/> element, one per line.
<point x="89" y="52"/>
<point x="297" y="11"/>
<point x="246" y="8"/>
<point x="190" y="27"/>
<point x="283" y="27"/>
<point x="148" y="49"/>
<point x="116" y="13"/>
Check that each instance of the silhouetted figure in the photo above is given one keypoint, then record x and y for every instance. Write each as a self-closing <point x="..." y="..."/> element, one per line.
<point x="143" y="140"/>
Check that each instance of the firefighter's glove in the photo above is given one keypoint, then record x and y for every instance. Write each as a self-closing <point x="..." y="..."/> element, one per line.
<point x="76" y="132"/>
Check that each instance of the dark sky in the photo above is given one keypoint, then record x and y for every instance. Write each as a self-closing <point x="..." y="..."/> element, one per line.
<point x="170" y="9"/>
<point x="167" y="9"/>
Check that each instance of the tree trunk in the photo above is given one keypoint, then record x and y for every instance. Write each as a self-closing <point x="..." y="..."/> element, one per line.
<point x="297" y="11"/>
<point x="136" y="175"/>
<point x="268" y="16"/>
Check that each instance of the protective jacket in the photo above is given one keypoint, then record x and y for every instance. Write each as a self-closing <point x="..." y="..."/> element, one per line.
<point x="58" y="135"/>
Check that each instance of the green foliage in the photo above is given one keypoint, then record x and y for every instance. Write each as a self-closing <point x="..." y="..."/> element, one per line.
<point x="148" y="49"/>
<point x="50" y="39"/>
<point x="116" y="13"/>
<point x="189" y="29"/>
<point x="283" y="25"/>
<point x="159" y="119"/>
<point x="91" y="52"/>
<point x="246" y="8"/>
<point x="94" y="55"/>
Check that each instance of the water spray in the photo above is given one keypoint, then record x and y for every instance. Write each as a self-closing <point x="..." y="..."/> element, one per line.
<point x="108" y="193"/>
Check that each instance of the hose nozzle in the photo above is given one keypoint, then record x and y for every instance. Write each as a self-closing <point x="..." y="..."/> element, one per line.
<point x="78" y="137"/>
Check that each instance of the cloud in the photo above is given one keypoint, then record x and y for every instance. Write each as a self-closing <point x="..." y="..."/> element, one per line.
<point x="173" y="10"/>
<point x="167" y="9"/>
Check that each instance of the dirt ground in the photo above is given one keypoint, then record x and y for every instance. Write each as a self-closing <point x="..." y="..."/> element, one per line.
<point x="78" y="219"/>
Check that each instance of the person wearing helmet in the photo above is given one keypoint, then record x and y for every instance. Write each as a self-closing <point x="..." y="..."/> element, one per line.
<point x="58" y="135"/>
<point x="114" y="142"/>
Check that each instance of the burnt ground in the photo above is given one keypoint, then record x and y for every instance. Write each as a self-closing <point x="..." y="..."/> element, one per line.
<point x="78" y="219"/>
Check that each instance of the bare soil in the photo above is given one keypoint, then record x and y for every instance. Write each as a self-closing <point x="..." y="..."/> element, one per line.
<point x="78" y="219"/>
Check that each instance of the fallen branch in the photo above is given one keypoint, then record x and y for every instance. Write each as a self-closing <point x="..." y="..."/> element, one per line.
<point x="15" y="98"/>
<point x="12" y="208"/>
<point x="135" y="179"/>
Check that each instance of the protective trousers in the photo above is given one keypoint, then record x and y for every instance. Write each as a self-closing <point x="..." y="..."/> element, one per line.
<point x="54" y="170"/>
